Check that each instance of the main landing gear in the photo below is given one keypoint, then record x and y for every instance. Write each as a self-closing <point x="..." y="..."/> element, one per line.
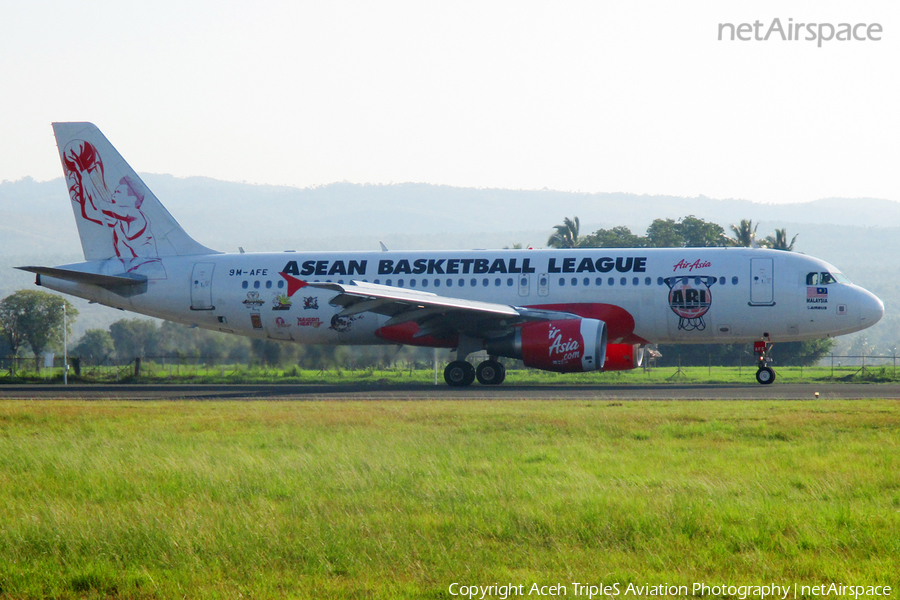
<point x="764" y="373"/>
<point x="460" y="373"/>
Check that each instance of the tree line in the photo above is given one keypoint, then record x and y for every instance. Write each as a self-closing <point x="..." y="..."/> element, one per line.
<point x="686" y="232"/>
<point x="693" y="232"/>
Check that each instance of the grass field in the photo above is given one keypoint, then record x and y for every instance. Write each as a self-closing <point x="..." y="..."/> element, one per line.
<point x="191" y="373"/>
<point x="401" y="499"/>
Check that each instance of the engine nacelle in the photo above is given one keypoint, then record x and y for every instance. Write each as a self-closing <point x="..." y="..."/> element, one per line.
<point x="623" y="357"/>
<point x="565" y="345"/>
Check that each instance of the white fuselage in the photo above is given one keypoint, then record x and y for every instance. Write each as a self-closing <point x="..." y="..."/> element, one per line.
<point x="684" y="295"/>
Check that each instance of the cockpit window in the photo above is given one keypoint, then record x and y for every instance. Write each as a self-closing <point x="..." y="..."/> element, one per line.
<point x="840" y="277"/>
<point x="825" y="278"/>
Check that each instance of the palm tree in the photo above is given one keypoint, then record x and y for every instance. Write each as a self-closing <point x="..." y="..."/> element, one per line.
<point x="745" y="233"/>
<point x="566" y="235"/>
<point x="779" y="240"/>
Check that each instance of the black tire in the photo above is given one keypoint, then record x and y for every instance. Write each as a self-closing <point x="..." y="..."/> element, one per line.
<point x="490" y="372"/>
<point x="459" y="373"/>
<point x="765" y="375"/>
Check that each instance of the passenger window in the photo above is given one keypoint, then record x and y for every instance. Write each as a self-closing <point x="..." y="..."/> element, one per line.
<point x="598" y="281"/>
<point x="611" y="281"/>
<point x="721" y="281"/>
<point x="255" y="285"/>
<point x="734" y="281"/>
<point x="281" y="284"/>
<point x="659" y="281"/>
<point x="574" y="281"/>
<point x="268" y="285"/>
<point x="245" y="284"/>
<point x="509" y="281"/>
<point x="412" y="283"/>
<point x="388" y="282"/>
<point x="587" y="281"/>
<point x="484" y="282"/>
<point x="635" y="281"/>
<point x="647" y="281"/>
<point x="623" y="281"/>
<point x="400" y="282"/>
<point x="497" y="282"/>
<point x="437" y="283"/>
<point x="424" y="283"/>
<point x="562" y="281"/>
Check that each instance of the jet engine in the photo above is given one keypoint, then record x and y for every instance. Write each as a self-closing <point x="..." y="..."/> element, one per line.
<point x="623" y="357"/>
<point x="564" y="345"/>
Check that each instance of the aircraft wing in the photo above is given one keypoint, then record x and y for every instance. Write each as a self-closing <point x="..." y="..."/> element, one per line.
<point x="435" y="315"/>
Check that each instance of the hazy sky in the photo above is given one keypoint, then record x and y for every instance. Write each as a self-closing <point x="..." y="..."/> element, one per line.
<point x="635" y="96"/>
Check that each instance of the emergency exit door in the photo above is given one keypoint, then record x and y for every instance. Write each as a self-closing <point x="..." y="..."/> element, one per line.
<point x="762" y="282"/>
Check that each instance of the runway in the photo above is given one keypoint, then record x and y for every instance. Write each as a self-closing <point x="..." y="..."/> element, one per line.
<point x="295" y="392"/>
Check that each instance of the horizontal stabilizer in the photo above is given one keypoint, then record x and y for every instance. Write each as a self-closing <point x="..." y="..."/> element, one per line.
<point x="126" y="284"/>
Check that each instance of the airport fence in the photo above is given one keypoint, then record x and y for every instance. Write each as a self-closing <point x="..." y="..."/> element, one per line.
<point x="836" y="367"/>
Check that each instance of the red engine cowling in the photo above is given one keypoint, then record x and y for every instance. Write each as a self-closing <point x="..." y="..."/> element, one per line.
<point x="565" y="346"/>
<point x="623" y="357"/>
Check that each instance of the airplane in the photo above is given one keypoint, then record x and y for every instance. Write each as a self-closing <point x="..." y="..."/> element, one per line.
<point x="562" y="310"/>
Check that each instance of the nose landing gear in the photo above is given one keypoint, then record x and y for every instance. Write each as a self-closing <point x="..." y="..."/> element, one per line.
<point x="764" y="373"/>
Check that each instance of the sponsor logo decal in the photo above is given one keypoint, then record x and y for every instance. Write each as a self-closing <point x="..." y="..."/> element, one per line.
<point x="690" y="299"/>
<point x="342" y="324"/>
<point x="281" y="302"/>
<point x="256" y="320"/>
<point x="253" y="301"/>
<point x="310" y="303"/>
<point x="280" y="322"/>
<point x="309" y="322"/>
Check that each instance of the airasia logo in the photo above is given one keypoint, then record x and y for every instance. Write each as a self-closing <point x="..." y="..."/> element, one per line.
<point x="697" y="264"/>
<point x="570" y="349"/>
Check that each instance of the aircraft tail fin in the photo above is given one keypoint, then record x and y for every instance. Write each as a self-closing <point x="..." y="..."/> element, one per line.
<point x="116" y="213"/>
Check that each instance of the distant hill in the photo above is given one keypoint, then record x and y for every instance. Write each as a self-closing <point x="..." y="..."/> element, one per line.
<point x="37" y="226"/>
<point x="351" y="216"/>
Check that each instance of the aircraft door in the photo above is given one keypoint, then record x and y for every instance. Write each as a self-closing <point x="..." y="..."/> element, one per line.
<point x="524" y="284"/>
<point x="201" y="286"/>
<point x="762" y="282"/>
<point x="543" y="285"/>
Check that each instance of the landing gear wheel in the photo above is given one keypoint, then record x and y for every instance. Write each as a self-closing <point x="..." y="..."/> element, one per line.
<point x="459" y="373"/>
<point x="490" y="372"/>
<point x="765" y="375"/>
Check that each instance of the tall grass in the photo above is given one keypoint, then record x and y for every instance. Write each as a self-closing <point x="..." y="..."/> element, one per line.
<point x="400" y="499"/>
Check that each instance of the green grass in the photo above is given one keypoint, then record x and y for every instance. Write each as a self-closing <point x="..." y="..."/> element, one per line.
<point x="237" y="374"/>
<point x="400" y="499"/>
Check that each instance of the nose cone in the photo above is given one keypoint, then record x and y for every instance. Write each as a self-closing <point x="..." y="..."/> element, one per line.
<point x="871" y="309"/>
